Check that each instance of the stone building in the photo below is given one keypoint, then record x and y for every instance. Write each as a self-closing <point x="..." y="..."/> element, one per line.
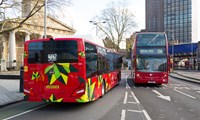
<point x="12" y="42"/>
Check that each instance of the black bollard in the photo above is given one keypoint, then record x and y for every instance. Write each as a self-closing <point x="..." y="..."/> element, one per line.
<point x="21" y="86"/>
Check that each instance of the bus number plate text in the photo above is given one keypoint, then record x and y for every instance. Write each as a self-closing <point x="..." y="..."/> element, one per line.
<point x="52" y="86"/>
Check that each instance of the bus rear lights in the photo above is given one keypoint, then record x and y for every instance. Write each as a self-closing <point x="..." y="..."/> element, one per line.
<point x="78" y="92"/>
<point x="29" y="92"/>
<point x="138" y="75"/>
<point x="164" y="80"/>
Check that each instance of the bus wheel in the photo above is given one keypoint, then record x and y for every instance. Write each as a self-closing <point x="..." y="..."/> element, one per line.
<point x="103" y="90"/>
<point x="119" y="77"/>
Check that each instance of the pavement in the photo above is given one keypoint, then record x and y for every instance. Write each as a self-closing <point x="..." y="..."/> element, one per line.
<point x="10" y="86"/>
<point x="187" y="75"/>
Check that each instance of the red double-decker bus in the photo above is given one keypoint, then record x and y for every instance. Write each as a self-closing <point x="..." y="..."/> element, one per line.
<point x="68" y="70"/>
<point x="150" y="58"/>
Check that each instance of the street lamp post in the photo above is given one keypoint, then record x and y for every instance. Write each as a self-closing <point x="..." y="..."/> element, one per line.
<point x="172" y="42"/>
<point x="173" y="50"/>
<point x="97" y="25"/>
<point x="45" y="17"/>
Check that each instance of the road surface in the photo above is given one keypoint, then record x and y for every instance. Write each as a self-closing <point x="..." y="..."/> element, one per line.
<point x="178" y="100"/>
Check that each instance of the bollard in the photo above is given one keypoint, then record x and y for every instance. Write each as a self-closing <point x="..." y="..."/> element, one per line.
<point x="21" y="86"/>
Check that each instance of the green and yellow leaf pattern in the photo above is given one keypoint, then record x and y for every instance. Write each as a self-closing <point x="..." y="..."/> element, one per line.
<point x="25" y="54"/>
<point x="59" y="71"/>
<point x="89" y="92"/>
<point x="53" y="99"/>
<point x="35" y="75"/>
<point x="82" y="54"/>
<point x="100" y="80"/>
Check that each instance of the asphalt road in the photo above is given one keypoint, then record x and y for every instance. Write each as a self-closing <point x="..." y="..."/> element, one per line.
<point x="177" y="100"/>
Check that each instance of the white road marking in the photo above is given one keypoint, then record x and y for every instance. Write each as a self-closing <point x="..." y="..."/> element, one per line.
<point x="137" y="101"/>
<point x="123" y="114"/>
<point x="162" y="96"/>
<point x="144" y="111"/>
<point x="184" y="94"/>
<point x="187" y="88"/>
<point x="146" y="114"/>
<point x="125" y="98"/>
<point x="133" y="102"/>
<point x="137" y="111"/>
<point x="25" y="112"/>
<point x="198" y="91"/>
<point x="127" y="86"/>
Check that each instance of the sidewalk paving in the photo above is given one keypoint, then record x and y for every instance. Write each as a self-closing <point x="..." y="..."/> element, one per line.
<point x="187" y="75"/>
<point x="10" y="93"/>
<point x="9" y="87"/>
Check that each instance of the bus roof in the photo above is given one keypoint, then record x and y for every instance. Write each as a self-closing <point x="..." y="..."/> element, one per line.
<point x="89" y="38"/>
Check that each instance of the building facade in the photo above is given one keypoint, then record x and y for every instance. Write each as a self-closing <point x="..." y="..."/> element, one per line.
<point x="180" y="19"/>
<point x="12" y="42"/>
<point x="154" y="15"/>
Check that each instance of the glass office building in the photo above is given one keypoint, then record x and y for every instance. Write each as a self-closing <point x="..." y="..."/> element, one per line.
<point x="181" y="19"/>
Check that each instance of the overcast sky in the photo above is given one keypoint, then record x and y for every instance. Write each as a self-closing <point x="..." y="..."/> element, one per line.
<point x="82" y="11"/>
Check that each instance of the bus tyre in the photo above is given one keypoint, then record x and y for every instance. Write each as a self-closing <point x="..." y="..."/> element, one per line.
<point x="103" y="90"/>
<point x="119" y="77"/>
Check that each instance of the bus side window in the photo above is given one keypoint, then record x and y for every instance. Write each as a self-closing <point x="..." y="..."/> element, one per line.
<point x="91" y="59"/>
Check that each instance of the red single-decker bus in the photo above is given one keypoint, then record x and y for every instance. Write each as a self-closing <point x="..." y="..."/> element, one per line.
<point x="68" y="70"/>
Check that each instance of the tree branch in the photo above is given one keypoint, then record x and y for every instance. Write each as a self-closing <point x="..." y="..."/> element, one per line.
<point x="2" y="1"/>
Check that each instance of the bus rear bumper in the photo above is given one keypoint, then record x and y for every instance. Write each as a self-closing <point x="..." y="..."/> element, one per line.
<point x="151" y="81"/>
<point x="53" y="99"/>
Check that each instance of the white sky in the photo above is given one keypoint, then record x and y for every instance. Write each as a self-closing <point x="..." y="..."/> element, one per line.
<point x="82" y="11"/>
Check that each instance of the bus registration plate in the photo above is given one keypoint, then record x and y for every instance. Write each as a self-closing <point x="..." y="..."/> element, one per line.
<point x="52" y="87"/>
<point x="151" y="82"/>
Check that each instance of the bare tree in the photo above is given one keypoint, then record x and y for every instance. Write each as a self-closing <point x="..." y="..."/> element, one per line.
<point x="54" y="7"/>
<point x="119" y="21"/>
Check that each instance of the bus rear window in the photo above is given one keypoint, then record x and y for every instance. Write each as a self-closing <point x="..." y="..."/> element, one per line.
<point x="53" y="51"/>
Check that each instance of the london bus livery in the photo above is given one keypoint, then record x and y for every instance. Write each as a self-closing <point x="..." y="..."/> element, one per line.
<point x="68" y="70"/>
<point x="150" y="58"/>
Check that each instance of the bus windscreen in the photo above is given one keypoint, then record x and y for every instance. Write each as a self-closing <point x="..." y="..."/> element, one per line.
<point x="151" y="64"/>
<point x="151" y="40"/>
